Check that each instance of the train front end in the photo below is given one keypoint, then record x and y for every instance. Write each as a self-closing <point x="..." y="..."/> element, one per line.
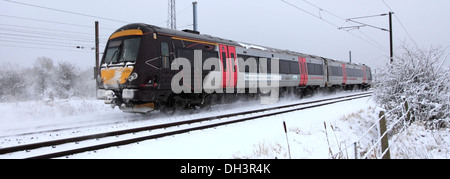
<point x="121" y="72"/>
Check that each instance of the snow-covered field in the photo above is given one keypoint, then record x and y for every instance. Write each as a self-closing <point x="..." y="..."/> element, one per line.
<point x="312" y="133"/>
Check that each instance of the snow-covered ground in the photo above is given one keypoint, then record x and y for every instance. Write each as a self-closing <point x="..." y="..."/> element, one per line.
<point x="312" y="133"/>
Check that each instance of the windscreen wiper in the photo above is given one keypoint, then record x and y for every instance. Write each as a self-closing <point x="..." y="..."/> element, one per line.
<point x="115" y="53"/>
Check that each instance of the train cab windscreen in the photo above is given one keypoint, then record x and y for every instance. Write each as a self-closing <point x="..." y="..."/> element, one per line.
<point x="122" y="51"/>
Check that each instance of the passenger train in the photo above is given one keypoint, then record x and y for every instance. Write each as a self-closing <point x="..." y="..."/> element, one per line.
<point x="141" y="64"/>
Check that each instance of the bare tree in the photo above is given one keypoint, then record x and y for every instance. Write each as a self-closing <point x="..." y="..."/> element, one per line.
<point x="12" y="83"/>
<point x="66" y="75"/>
<point x="43" y="70"/>
<point x="44" y="80"/>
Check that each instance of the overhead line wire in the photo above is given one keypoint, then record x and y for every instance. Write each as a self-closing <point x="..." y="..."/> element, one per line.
<point x="65" y="42"/>
<point x="37" y="43"/>
<point x="375" y="44"/>
<point x="310" y="14"/>
<point x="53" y="22"/>
<point x="19" y="46"/>
<point x="44" y="33"/>
<point x="26" y="33"/>
<point x="43" y="37"/>
<point x="324" y="10"/>
<point x="65" y="11"/>
<point x="46" y="41"/>
<point x="47" y="29"/>
<point x="401" y="24"/>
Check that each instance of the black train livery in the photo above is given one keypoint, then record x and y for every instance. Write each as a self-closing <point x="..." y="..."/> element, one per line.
<point x="136" y="73"/>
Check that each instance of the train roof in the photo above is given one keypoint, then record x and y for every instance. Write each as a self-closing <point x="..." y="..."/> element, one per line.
<point x="196" y="35"/>
<point x="187" y="33"/>
<point x="146" y="28"/>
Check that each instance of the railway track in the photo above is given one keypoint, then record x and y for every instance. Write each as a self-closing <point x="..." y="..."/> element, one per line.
<point x="69" y="146"/>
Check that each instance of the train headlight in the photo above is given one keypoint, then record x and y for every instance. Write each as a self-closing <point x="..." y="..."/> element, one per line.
<point x="133" y="76"/>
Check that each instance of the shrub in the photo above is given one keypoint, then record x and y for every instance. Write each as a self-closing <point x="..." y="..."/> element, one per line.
<point x="420" y="78"/>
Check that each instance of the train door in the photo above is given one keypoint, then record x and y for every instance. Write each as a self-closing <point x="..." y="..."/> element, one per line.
<point x="229" y="69"/>
<point x="344" y="73"/>
<point x="166" y="57"/>
<point x="364" y="75"/>
<point x="327" y="70"/>
<point x="303" y="71"/>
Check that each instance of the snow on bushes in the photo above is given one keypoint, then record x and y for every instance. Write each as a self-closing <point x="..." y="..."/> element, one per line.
<point x="45" y="81"/>
<point x="12" y="83"/>
<point x="420" y="78"/>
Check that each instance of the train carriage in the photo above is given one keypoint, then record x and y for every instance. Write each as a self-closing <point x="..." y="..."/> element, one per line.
<point x="336" y="73"/>
<point x="367" y="79"/>
<point x="316" y="72"/>
<point x="142" y="64"/>
<point x="354" y="74"/>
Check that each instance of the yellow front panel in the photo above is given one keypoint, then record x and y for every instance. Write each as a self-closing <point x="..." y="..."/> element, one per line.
<point x="115" y="75"/>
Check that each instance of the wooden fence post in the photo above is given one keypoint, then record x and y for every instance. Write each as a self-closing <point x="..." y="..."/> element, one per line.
<point x="408" y="112"/>
<point x="384" y="139"/>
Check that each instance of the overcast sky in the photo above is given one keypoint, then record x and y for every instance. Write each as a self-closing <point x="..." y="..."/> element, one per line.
<point x="28" y="32"/>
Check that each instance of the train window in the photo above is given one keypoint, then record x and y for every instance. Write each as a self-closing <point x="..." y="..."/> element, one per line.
<point x="257" y="64"/>
<point x="284" y="67"/>
<point x="311" y="69"/>
<point x="360" y="73"/>
<point x="315" y="69"/>
<point x="368" y="74"/>
<point x="165" y="55"/>
<point x="294" y="68"/>
<point x="206" y="54"/>
<point x="130" y="50"/>
<point x="336" y="71"/>
<point x="249" y="64"/>
<point x="224" y="61"/>
<point x="356" y="73"/>
<point x="112" y="53"/>
<point x="242" y="68"/>
<point x="232" y="62"/>
<point x="351" y="72"/>
<point x="262" y="67"/>
<point x="319" y="69"/>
